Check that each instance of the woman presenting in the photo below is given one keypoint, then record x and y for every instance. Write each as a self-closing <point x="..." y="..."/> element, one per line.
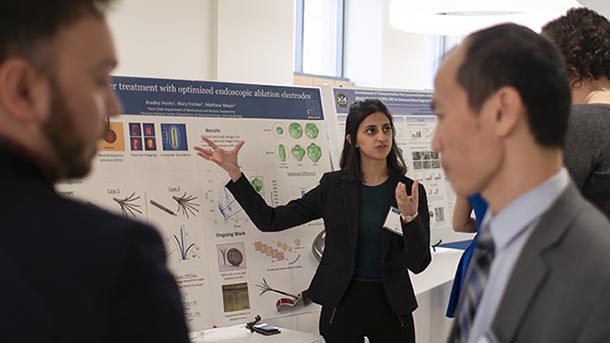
<point x="362" y="281"/>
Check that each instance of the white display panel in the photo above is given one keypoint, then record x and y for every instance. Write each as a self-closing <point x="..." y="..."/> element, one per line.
<point x="146" y="169"/>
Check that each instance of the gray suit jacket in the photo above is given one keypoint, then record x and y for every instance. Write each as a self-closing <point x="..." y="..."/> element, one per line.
<point x="560" y="288"/>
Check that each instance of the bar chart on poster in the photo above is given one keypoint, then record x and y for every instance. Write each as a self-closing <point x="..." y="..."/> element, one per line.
<point x="146" y="169"/>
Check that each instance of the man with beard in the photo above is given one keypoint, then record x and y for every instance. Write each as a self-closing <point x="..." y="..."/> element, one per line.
<point x="540" y="271"/>
<point x="71" y="273"/>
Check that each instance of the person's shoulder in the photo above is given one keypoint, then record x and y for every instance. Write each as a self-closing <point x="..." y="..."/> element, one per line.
<point x="92" y="220"/>
<point x="81" y="209"/>
<point x="586" y="224"/>
<point x="586" y="122"/>
<point x="590" y="112"/>
<point x="592" y="221"/>
<point x="334" y="176"/>
<point x="103" y="239"/>
<point x="588" y="237"/>
<point x="591" y="108"/>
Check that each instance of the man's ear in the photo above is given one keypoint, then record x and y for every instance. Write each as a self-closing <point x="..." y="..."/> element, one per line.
<point x="509" y="110"/>
<point x="24" y="91"/>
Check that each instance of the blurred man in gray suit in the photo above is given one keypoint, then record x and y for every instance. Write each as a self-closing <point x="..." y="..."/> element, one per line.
<point x="540" y="272"/>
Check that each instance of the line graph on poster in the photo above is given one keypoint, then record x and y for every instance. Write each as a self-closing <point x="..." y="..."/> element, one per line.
<point x="217" y="199"/>
<point x="218" y="202"/>
<point x="228" y="207"/>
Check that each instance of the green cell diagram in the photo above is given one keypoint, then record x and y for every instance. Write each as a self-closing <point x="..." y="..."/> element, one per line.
<point x="311" y="130"/>
<point x="314" y="152"/>
<point x="298" y="152"/>
<point x="296" y="130"/>
<point x="257" y="184"/>
<point x="279" y="130"/>
<point x="281" y="152"/>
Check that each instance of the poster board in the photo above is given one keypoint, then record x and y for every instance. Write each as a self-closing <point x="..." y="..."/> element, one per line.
<point x="146" y="169"/>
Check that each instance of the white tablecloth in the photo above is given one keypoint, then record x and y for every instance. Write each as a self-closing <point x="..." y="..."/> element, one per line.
<point x="239" y="333"/>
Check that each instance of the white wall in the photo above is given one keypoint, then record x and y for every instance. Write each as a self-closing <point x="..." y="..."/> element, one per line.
<point x="253" y="42"/>
<point x="256" y="41"/>
<point x="409" y="60"/>
<point x="166" y="39"/>
<point x="227" y="40"/>
<point x="363" y="43"/>
<point x="600" y="6"/>
<point x="377" y="55"/>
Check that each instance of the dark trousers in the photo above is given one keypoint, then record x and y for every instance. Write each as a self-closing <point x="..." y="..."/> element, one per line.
<point x="364" y="311"/>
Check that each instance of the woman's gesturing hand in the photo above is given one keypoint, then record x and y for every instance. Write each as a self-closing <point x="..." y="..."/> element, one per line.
<point x="225" y="159"/>
<point x="407" y="204"/>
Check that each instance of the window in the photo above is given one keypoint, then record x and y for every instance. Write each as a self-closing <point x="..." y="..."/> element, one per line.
<point x="319" y="37"/>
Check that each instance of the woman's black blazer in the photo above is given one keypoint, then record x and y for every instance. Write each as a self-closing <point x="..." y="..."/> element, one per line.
<point x="337" y="201"/>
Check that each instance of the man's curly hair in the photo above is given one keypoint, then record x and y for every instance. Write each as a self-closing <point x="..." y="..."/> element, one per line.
<point x="583" y="36"/>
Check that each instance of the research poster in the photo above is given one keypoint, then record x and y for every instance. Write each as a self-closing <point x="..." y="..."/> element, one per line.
<point x="415" y="123"/>
<point x="146" y="169"/>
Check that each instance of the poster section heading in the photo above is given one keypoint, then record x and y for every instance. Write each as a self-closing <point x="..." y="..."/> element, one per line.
<point x="398" y="102"/>
<point x="183" y="98"/>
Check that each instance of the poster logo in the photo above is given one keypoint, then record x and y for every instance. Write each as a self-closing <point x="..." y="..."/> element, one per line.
<point x="342" y="100"/>
<point x="114" y="139"/>
<point x="174" y="137"/>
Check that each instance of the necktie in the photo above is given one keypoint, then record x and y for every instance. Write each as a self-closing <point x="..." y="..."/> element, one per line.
<point x="473" y="290"/>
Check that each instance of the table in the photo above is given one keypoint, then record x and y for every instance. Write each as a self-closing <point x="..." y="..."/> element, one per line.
<point x="432" y="289"/>
<point x="239" y="333"/>
<point x="440" y="271"/>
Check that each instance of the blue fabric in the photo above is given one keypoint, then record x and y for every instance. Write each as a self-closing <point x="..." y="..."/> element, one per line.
<point x="368" y="253"/>
<point x="462" y="245"/>
<point x="480" y="207"/>
<point x="478" y="278"/>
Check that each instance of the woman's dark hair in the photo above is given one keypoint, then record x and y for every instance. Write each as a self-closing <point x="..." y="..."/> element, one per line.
<point x="583" y="37"/>
<point x="350" y="156"/>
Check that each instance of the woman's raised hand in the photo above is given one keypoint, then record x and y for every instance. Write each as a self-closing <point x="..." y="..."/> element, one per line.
<point x="407" y="204"/>
<point x="225" y="159"/>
